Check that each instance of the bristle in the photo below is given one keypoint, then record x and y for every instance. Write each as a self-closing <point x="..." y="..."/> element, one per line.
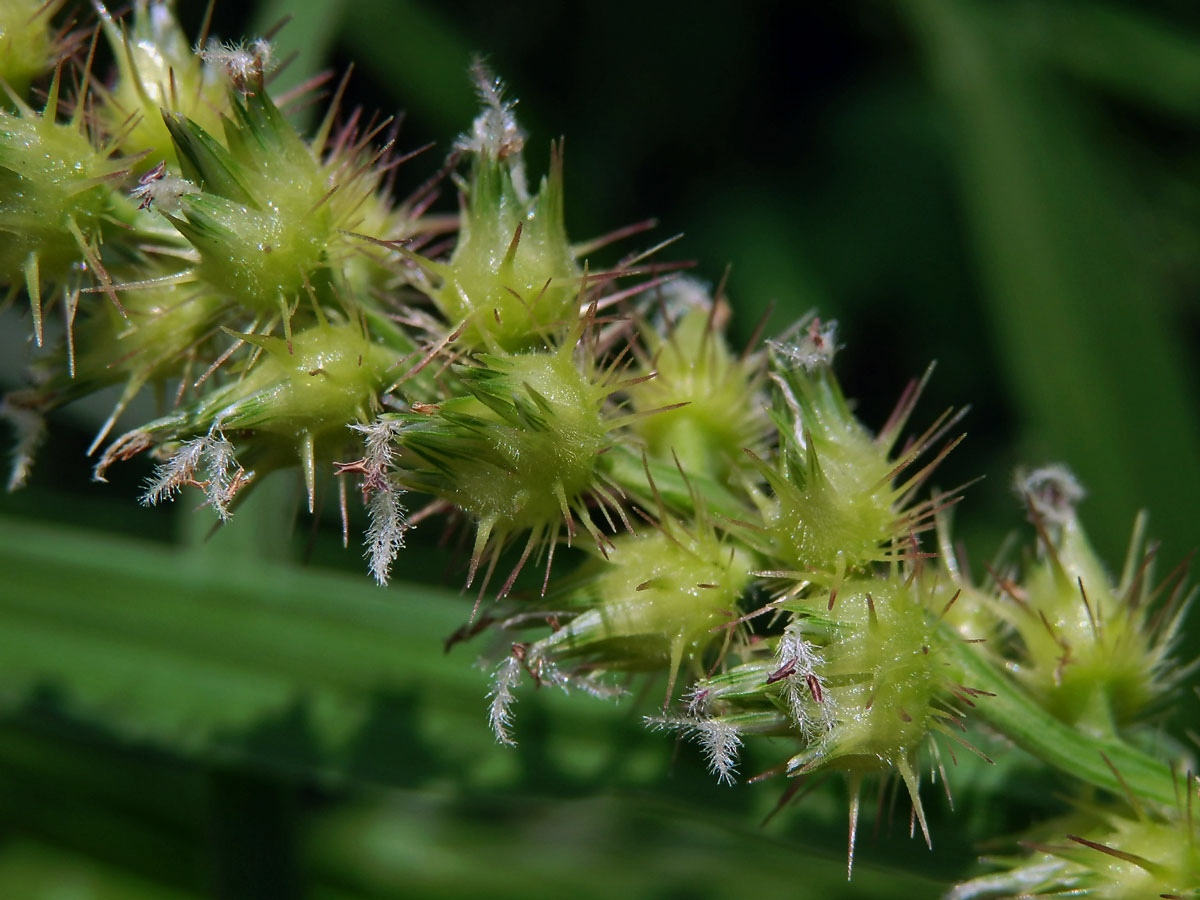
<point x="855" y="793"/>
<point x="912" y="785"/>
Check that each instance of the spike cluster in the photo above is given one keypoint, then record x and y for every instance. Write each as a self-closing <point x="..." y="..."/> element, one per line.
<point x="707" y="402"/>
<point x="1104" y="851"/>
<point x="778" y="566"/>
<point x="31" y="44"/>
<point x="1097" y="652"/>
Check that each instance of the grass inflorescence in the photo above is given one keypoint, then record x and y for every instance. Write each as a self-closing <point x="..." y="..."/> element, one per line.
<point x="784" y="570"/>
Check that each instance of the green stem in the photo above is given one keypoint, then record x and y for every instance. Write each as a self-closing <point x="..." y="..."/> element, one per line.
<point x="1096" y="760"/>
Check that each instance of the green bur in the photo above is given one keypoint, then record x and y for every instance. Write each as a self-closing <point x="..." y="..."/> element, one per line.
<point x="260" y="223"/>
<point x="295" y="402"/>
<point x="706" y="400"/>
<point x="518" y="451"/>
<point x="661" y="597"/>
<point x="157" y="70"/>
<point x="156" y="338"/>
<point x="835" y="504"/>
<point x="55" y="196"/>
<point x="882" y="677"/>
<point x="861" y="680"/>
<point x="666" y="597"/>
<point x="27" y="43"/>
<point x="1097" y="651"/>
<point x="1108" y="854"/>
<point x="512" y="282"/>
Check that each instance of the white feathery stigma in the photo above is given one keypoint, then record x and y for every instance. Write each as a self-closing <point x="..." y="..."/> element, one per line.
<point x="504" y="679"/>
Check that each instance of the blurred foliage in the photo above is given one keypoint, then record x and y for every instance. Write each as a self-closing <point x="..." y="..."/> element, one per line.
<point x="1012" y="189"/>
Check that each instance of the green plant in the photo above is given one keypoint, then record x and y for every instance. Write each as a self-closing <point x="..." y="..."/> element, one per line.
<point x="747" y="538"/>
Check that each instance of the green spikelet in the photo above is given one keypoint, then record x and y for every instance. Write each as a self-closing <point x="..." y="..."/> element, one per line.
<point x="1108" y="852"/>
<point x="294" y="405"/>
<point x="512" y="283"/>
<point x="707" y="402"/>
<point x="520" y="449"/>
<point x="29" y="45"/>
<point x="157" y="71"/>
<point x="837" y="502"/>
<point x="862" y="684"/>
<point x="1097" y="650"/>
<point x="257" y="221"/>
<point x="56" y="194"/>
<point x="160" y="335"/>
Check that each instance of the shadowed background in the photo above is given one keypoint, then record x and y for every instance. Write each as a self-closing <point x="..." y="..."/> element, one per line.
<point x="1010" y="189"/>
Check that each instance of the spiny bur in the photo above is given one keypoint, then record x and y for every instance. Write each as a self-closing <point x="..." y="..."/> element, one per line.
<point x="1098" y="651"/>
<point x="512" y="282"/>
<point x="58" y="199"/>
<point x="706" y="399"/>
<point x="838" y="502"/>
<point x="665" y="596"/>
<point x="520" y="450"/>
